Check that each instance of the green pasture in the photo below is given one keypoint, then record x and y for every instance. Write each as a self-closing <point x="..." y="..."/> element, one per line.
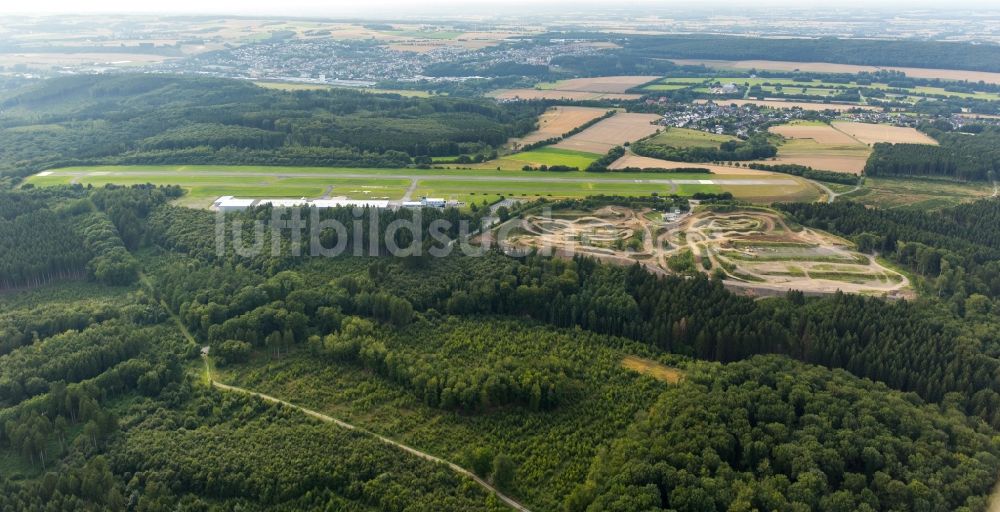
<point x="554" y="156"/>
<point x="206" y="183"/>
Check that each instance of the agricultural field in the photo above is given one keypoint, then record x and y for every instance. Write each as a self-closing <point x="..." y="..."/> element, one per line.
<point x="842" y="146"/>
<point x="816" y="87"/>
<point x="754" y="249"/>
<point x="611" y="132"/>
<point x="206" y="183"/>
<point x="634" y="161"/>
<point x="420" y="39"/>
<point x="665" y="87"/>
<point x="549" y="94"/>
<point x="294" y="86"/>
<point x="674" y="83"/>
<point x="547" y="156"/>
<point x="688" y="138"/>
<point x="801" y="89"/>
<point x="869" y="133"/>
<point x="820" y="146"/>
<point x="805" y="105"/>
<point x="824" y="67"/>
<point x="607" y="84"/>
<point x="559" y="120"/>
<point x="821" y="133"/>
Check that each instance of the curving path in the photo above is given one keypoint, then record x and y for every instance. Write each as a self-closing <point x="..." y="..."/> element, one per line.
<point x="832" y="196"/>
<point x="510" y="502"/>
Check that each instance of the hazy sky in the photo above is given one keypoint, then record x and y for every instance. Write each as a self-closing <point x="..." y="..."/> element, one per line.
<point x="383" y="8"/>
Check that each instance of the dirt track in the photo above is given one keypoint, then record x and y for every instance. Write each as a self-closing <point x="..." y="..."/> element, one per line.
<point x="343" y="424"/>
<point x="756" y="249"/>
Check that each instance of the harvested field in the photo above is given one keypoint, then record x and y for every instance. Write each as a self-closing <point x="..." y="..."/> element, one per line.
<point x="820" y="133"/>
<point x="609" y="84"/>
<point x="612" y="132"/>
<point x="845" y="163"/>
<point x="688" y="138"/>
<point x="820" y="146"/>
<point x="871" y="133"/>
<point x="804" y="105"/>
<point x="551" y="94"/>
<point x="826" y="67"/>
<point x="634" y="161"/>
<point x="559" y="120"/>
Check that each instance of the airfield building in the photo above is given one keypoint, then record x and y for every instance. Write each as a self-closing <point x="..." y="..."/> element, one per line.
<point x="227" y="204"/>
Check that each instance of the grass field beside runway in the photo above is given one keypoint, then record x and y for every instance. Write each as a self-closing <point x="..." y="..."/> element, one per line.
<point x="205" y="183"/>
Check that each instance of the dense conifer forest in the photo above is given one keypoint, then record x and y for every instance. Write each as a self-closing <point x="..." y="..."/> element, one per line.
<point x="497" y="360"/>
<point x="566" y="383"/>
<point x="963" y="156"/>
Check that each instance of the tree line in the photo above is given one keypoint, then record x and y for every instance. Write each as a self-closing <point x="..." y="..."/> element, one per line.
<point x="960" y="156"/>
<point x="755" y="148"/>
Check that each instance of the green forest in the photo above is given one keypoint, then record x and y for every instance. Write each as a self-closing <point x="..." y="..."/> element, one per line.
<point x="148" y="365"/>
<point x="969" y="155"/>
<point x="909" y="53"/>
<point x="151" y="119"/>
<point x="511" y="367"/>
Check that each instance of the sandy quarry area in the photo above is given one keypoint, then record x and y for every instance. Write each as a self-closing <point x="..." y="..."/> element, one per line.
<point x="755" y="249"/>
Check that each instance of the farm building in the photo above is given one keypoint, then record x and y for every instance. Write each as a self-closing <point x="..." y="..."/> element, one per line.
<point x="232" y="204"/>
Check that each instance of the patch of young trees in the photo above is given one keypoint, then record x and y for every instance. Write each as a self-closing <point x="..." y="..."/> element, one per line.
<point x="755" y="148"/>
